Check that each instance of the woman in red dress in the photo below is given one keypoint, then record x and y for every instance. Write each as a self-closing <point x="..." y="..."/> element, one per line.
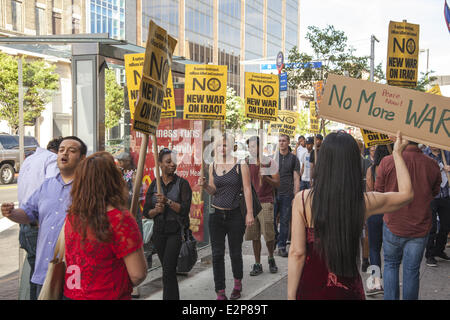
<point x="328" y="219"/>
<point x="104" y="253"/>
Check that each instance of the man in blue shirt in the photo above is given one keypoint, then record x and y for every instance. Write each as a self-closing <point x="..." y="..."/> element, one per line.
<point x="440" y="207"/>
<point x="41" y="165"/>
<point x="48" y="205"/>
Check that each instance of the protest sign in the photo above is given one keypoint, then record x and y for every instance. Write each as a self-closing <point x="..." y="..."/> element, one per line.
<point x="205" y="92"/>
<point x="372" y="138"/>
<point x="134" y="64"/>
<point x="403" y="54"/>
<point x="261" y="96"/>
<point x="313" y="120"/>
<point x="156" y="70"/>
<point x="147" y="115"/>
<point x="286" y="123"/>
<point x="421" y="117"/>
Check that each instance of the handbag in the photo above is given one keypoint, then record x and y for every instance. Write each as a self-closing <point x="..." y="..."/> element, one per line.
<point x="188" y="253"/>
<point x="256" y="203"/>
<point x="53" y="286"/>
<point x="147" y="228"/>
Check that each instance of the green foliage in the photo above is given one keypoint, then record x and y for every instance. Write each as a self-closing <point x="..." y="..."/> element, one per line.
<point x="39" y="84"/>
<point x="235" y="118"/>
<point x="425" y="80"/>
<point x="114" y="100"/>
<point x="303" y="123"/>
<point x="330" y="47"/>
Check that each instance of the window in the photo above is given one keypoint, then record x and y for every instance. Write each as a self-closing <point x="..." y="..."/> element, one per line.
<point x="16" y="8"/>
<point x="56" y="23"/>
<point x="75" y="26"/>
<point x="40" y="22"/>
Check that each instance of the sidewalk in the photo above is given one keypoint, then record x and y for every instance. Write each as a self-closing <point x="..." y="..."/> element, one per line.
<point x="199" y="284"/>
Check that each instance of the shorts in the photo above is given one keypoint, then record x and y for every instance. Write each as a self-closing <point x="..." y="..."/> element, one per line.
<point x="263" y="225"/>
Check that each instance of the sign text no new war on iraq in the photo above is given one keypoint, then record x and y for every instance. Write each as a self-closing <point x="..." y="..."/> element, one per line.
<point x="205" y="91"/>
<point x="286" y="123"/>
<point x="421" y="117"/>
<point x="134" y="64"/>
<point x="261" y="96"/>
<point x="157" y="64"/>
<point x="403" y="54"/>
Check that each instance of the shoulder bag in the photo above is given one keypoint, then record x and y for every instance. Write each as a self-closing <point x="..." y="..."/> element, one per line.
<point x="53" y="286"/>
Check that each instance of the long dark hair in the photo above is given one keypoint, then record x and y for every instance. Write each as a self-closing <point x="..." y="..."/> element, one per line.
<point x="97" y="183"/>
<point x="380" y="153"/>
<point x="338" y="203"/>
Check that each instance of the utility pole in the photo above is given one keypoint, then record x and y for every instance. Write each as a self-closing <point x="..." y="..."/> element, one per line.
<point x="372" y="55"/>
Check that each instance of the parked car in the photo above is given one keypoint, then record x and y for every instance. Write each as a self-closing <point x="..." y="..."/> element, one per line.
<point x="10" y="155"/>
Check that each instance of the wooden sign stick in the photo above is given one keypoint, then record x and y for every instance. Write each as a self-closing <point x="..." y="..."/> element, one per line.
<point x="139" y="173"/>
<point x="155" y="155"/>
<point x="445" y="163"/>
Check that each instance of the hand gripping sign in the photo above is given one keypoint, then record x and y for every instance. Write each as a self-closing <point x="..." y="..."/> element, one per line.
<point x="421" y="117"/>
<point x="261" y="96"/>
<point x="205" y="92"/>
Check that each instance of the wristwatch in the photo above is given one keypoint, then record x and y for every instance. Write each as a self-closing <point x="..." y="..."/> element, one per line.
<point x="169" y="202"/>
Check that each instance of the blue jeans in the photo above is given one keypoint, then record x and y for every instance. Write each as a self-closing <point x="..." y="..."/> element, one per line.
<point x="305" y="185"/>
<point x="375" y="228"/>
<point x="282" y="206"/>
<point x="408" y="251"/>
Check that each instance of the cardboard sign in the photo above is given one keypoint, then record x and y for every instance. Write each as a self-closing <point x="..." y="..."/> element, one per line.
<point x="403" y="54"/>
<point x="372" y="138"/>
<point x="421" y="117"/>
<point x="261" y="96"/>
<point x="134" y="64"/>
<point x="205" y="92"/>
<point x="286" y="123"/>
<point x="313" y="120"/>
<point x="157" y="65"/>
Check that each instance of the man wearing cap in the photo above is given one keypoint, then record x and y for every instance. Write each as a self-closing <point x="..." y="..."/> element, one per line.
<point x="305" y="172"/>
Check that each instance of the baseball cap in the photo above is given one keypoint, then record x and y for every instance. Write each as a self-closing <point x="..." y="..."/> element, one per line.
<point x="310" y="140"/>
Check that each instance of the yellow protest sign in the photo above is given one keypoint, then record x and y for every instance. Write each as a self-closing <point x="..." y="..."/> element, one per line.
<point x="372" y="138"/>
<point x="313" y="120"/>
<point x="403" y="54"/>
<point x="286" y="123"/>
<point x="205" y="92"/>
<point x="435" y="90"/>
<point x="157" y="63"/>
<point x="261" y="96"/>
<point x="133" y="72"/>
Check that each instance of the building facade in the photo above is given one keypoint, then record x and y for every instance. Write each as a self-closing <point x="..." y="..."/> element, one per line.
<point x="106" y="17"/>
<point x="225" y="32"/>
<point x="42" y="18"/>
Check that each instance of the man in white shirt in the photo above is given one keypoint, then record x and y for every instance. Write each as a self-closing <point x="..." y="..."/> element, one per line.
<point x="305" y="171"/>
<point x="300" y="148"/>
<point x="41" y="165"/>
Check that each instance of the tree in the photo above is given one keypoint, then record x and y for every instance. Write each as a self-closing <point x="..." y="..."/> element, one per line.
<point x="39" y="83"/>
<point x="235" y="118"/>
<point x="330" y="47"/>
<point x="303" y="123"/>
<point x="114" y="100"/>
<point x="425" y="81"/>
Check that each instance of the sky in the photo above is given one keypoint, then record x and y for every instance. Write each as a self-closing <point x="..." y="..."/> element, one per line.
<point x="359" y="19"/>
